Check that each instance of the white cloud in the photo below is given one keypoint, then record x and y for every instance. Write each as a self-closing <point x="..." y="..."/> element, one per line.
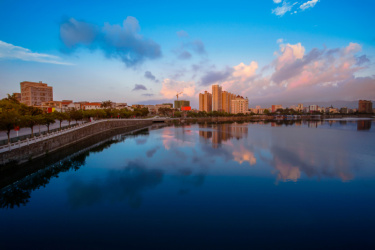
<point x="277" y="1"/>
<point x="308" y="4"/>
<point x="10" y="51"/>
<point x="284" y="8"/>
<point x="243" y="71"/>
<point x="171" y="87"/>
<point x="280" y="40"/>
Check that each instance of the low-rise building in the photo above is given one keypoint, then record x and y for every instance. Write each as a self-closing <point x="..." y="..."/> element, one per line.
<point x="344" y="110"/>
<point x="240" y="105"/>
<point x="92" y="106"/>
<point x="276" y="107"/>
<point x="121" y="105"/>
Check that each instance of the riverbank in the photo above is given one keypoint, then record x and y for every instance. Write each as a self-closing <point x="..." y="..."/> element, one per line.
<point x="268" y="118"/>
<point x="43" y="146"/>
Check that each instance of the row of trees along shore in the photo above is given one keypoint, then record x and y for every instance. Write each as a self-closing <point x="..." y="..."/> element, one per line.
<point x="14" y="114"/>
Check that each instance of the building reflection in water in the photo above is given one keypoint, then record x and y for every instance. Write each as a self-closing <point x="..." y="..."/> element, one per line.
<point x="222" y="132"/>
<point x="364" y="125"/>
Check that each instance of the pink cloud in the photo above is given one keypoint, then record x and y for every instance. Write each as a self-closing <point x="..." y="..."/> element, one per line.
<point x="171" y="87"/>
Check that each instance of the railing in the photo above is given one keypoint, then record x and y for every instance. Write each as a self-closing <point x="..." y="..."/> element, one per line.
<point x="46" y="136"/>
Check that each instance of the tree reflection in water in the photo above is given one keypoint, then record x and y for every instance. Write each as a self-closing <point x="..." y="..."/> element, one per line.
<point x="19" y="193"/>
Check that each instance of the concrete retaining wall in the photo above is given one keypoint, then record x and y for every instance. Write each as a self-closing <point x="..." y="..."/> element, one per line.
<point x="41" y="148"/>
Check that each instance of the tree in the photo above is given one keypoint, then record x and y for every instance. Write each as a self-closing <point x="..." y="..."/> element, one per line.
<point x="76" y="115"/>
<point x="266" y="112"/>
<point x="12" y="98"/>
<point x="61" y="117"/>
<point x="106" y="104"/>
<point x="30" y="121"/>
<point x="9" y="120"/>
<point x="68" y="117"/>
<point x="48" y="119"/>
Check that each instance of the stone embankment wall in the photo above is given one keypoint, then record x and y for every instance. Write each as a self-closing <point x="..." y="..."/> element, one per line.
<point x="41" y="148"/>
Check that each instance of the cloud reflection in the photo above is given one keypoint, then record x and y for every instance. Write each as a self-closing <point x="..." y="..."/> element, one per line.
<point x="126" y="184"/>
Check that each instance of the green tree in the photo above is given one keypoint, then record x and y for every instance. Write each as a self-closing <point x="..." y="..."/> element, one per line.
<point x="76" y="115"/>
<point x="30" y="121"/>
<point x="48" y="119"/>
<point x="60" y="116"/>
<point x="106" y="104"/>
<point x="9" y="119"/>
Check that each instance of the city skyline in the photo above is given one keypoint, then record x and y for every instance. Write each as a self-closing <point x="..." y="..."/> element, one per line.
<point x="269" y="53"/>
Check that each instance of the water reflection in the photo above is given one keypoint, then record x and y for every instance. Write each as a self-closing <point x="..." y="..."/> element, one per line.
<point x="364" y="125"/>
<point x="190" y="153"/>
<point x="19" y="193"/>
<point x="119" y="185"/>
<point x="223" y="132"/>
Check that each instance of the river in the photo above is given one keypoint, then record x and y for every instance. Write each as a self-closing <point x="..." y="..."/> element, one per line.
<point x="261" y="185"/>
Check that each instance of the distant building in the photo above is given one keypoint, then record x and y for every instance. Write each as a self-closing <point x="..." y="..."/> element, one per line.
<point x="181" y="103"/>
<point x="51" y="106"/>
<point x="170" y="105"/>
<point x="365" y="106"/>
<point x="313" y="108"/>
<point x="300" y="107"/>
<point x="121" y="105"/>
<point x="216" y="98"/>
<point x="205" y="101"/>
<point x="240" y="105"/>
<point x="276" y="107"/>
<point x="78" y="105"/>
<point x="344" y="110"/>
<point x="332" y="110"/>
<point x="92" y="106"/>
<point x="34" y="93"/>
<point x="138" y="106"/>
<point x="151" y="108"/>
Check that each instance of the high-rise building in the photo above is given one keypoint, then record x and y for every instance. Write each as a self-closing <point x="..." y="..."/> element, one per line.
<point x="178" y="104"/>
<point x="364" y="106"/>
<point x="205" y="101"/>
<point x="216" y="98"/>
<point x="240" y="105"/>
<point x="34" y="93"/>
<point x="226" y="99"/>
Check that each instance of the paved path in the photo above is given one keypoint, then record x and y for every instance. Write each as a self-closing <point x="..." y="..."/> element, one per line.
<point x="27" y="131"/>
<point x="42" y="128"/>
<point x="28" y="141"/>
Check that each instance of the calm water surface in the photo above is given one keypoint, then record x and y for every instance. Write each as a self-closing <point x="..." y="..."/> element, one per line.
<point x="295" y="186"/>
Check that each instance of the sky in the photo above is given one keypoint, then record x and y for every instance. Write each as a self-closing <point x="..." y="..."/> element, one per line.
<point x="144" y="52"/>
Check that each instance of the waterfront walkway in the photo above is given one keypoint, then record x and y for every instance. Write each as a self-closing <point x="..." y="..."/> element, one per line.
<point x="35" y="139"/>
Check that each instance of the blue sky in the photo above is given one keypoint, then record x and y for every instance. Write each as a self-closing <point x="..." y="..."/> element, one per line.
<point x="269" y="50"/>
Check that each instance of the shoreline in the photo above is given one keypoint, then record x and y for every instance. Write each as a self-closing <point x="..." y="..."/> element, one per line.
<point x="49" y="144"/>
